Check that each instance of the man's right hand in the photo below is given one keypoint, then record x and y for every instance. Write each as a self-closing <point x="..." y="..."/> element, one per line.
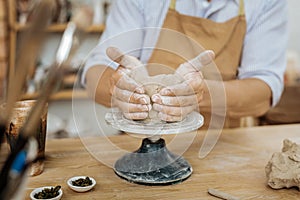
<point x="127" y="94"/>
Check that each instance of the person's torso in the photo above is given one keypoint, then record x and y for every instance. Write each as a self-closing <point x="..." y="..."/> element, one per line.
<point x="216" y="10"/>
<point x="184" y="36"/>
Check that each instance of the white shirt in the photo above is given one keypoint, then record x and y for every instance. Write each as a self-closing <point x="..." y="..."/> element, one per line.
<point x="130" y="28"/>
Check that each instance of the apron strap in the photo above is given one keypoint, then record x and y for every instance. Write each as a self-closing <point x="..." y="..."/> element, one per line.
<point x="172" y="5"/>
<point x="242" y="8"/>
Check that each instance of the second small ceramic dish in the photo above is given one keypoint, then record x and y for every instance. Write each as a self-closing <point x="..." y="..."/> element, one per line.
<point x="80" y="188"/>
<point x="37" y="190"/>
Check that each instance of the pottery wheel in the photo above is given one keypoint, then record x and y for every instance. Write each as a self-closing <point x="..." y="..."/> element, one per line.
<point x="153" y="163"/>
<point x="192" y="122"/>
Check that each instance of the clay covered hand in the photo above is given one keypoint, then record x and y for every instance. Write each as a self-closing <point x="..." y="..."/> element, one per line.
<point x="128" y="95"/>
<point x="175" y="102"/>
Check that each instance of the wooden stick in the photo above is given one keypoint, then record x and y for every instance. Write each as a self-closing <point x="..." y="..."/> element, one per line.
<point x="221" y="195"/>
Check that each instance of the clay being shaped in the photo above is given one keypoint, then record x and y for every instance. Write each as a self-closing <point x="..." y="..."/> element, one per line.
<point x="283" y="170"/>
<point x="153" y="84"/>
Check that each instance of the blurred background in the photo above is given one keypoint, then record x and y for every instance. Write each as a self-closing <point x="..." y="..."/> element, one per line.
<point x="62" y="122"/>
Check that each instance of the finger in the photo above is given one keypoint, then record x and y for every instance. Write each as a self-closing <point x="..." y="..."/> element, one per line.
<point x="127" y="61"/>
<point x="192" y="85"/>
<point x="116" y="76"/>
<point x="178" y="89"/>
<point x="131" y="97"/>
<point x="130" y="107"/>
<point x="169" y="118"/>
<point x="195" y="81"/>
<point x="136" y="115"/>
<point x="115" y="54"/>
<point x="127" y="83"/>
<point x="122" y="70"/>
<point x="196" y="63"/>
<point x="174" y="111"/>
<point x="156" y="98"/>
<point x="202" y="59"/>
<point x="177" y="100"/>
<point x="193" y="76"/>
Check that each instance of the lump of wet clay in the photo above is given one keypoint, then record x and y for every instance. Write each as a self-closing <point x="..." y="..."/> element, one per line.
<point x="283" y="170"/>
<point x="153" y="84"/>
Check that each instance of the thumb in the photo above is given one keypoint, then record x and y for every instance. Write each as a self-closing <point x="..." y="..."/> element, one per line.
<point x="202" y="59"/>
<point x="115" y="54"/>
<point x="126" y="61"/>
<point x="195" y="64"/>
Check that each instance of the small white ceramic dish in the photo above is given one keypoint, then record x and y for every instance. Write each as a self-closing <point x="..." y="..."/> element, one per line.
<point x="37" y="190"/>
<point x="78" y="188"/>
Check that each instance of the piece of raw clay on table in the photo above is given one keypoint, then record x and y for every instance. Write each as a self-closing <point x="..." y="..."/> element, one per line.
<point x="283" y="170"/>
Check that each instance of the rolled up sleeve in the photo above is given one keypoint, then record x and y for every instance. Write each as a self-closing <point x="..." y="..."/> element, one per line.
<point x="123" y="30"/>
<point x="264" y="52"/>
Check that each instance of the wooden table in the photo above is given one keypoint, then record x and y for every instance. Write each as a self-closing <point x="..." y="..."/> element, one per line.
<point x="236" y="166"/>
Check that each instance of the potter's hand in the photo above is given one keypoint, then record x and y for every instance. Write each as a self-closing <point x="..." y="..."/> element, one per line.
<point x="126" y="93"/>
<point x="175" y="102"/>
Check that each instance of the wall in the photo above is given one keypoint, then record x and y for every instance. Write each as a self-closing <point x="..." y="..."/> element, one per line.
<point x="49" y="51"/>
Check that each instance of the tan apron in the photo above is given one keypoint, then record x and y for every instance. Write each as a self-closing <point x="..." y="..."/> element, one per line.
<point x="181" y="39"/>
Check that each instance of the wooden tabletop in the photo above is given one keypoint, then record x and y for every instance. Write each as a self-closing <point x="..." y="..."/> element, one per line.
<point x="235" y="166"/>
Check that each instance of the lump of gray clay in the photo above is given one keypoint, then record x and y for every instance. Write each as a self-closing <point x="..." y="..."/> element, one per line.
<point x="283" y="170"/>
